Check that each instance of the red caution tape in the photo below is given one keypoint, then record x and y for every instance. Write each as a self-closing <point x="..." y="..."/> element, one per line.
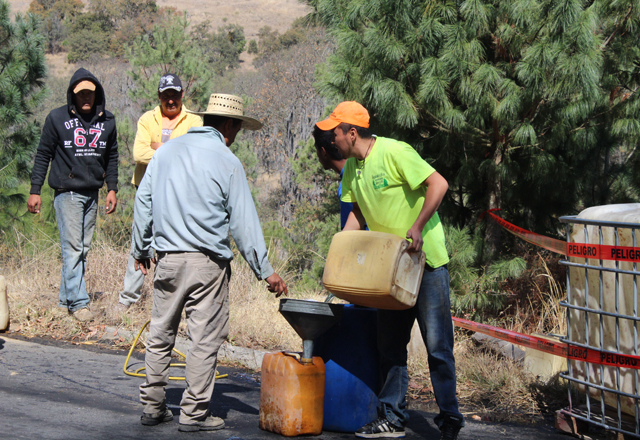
<point x="603" y="252"/>
<point x="556" y="348"/>
<point x="577" y="250"/>
<point x="550" y="244"/>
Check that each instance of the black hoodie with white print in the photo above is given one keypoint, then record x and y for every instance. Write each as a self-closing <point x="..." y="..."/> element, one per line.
<point x="82" y="149"/>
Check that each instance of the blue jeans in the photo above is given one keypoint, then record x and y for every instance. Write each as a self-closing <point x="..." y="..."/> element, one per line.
<point x="433" y="311"/>
<point x="76" y="214"/>
<point x="133" y="281"/>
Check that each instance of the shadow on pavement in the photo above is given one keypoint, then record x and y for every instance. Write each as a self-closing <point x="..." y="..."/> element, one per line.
<point x="223" y="401"/>
<point x="421" y="426"/>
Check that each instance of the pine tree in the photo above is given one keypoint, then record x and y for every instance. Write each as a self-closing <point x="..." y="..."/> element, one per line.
<point x="21" y="90"/>
<point x="529" y="106"/>
<point x="169" y="49"/>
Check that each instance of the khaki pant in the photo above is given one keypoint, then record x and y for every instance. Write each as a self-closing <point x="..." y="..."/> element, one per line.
<point x="200" y="285"/>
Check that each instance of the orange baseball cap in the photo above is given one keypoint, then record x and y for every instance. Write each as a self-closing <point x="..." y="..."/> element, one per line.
<point x="349" y="112"/>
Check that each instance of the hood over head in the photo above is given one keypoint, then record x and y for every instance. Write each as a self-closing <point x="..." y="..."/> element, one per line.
<point x="81" y="75"/>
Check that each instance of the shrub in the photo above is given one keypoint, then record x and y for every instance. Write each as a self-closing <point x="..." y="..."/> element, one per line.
<point x="88" y="37"/>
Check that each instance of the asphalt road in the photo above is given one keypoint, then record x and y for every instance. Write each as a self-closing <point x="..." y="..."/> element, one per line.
<point x="76" y="392"/>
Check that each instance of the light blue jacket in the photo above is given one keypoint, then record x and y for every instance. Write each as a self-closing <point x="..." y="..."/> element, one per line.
<point x="192" y="196"/>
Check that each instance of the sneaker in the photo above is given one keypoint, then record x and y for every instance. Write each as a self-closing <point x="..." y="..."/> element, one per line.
<point x="211" y="423"/>
<point x="83" y="315"/>
<point x="155" y="419"/>
<point x="449" y="430"/>
<point x="380" y="428"/>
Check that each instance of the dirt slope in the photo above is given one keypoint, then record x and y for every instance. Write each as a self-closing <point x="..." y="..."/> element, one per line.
<point x="251" y="14"/>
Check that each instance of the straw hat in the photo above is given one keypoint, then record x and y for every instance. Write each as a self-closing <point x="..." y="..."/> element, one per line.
<point x="230" y="106"/>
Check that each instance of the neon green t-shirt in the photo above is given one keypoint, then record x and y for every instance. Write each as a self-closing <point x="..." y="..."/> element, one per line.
<point x="387" y="186"/>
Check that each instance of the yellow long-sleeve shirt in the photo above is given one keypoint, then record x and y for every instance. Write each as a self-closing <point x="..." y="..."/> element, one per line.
<point x="150" y="130"/>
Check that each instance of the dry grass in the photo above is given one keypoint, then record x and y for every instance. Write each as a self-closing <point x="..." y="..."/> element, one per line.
<point x="33" y="296"/>
<point x="492" y="387"/>
<point x="495" y="388"/>
<point x="58" y="66"/>
<point x="550" y="316"/>
<point x="500" y="389"/>
<point x="254" y="318"/>
<point x="538" y="294"/>
<point x="34" y="280"/>
<point x="20" y="6"/>
<point x="250" y="14"/>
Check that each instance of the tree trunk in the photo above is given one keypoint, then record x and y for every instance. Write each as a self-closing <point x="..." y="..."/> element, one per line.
<point x="493" y="231"/>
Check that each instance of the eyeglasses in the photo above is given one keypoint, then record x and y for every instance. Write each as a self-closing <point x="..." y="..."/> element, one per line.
<point x="170" y="95"/>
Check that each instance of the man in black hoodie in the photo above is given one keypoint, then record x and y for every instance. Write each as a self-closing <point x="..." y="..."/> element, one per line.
<point x="80" y="141"/>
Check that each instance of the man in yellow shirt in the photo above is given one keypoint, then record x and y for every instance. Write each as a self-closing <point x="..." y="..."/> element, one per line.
<point x="166" y="121"/>
<point x="394" y="190"/>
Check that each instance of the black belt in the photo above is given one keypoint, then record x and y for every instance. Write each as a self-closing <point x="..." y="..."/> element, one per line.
<point x="162" y="254"/>
<point x="431" y="269"/>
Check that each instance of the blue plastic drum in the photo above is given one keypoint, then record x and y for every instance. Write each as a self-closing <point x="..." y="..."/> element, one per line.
<point x="353" y="378"/>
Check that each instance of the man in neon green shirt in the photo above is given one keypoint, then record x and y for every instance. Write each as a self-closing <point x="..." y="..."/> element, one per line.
<point x="394" y="190"/>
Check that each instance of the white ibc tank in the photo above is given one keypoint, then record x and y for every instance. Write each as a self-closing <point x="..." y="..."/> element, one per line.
<point x="617" y="334"/>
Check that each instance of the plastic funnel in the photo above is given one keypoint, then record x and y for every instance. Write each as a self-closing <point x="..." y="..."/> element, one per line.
<point x="309" y="319"/>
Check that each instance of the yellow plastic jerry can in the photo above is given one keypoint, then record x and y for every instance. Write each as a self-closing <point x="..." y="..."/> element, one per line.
<point x="373" y="269"/>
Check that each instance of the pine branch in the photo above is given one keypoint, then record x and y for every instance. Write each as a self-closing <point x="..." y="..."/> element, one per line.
<point x="535" y="36"/>
<point x="404" y="68"/>
<point x="615" y="31"/>
<point x="597" y="115"/>
<point x="7" y="165"/>
<point x="621" y="168"/>
<point x="443" y="125"/>
<point x="624" y="163"/>
<point x="533" y="112"/>
<point x="8" y="57"/>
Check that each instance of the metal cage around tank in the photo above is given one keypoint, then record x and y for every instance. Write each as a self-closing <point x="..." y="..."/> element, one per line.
<point x="602" y="314"/>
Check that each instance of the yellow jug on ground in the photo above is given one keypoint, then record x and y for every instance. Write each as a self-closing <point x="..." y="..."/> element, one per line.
<point x="373" y="269"/>
<point x="4" y="306"/>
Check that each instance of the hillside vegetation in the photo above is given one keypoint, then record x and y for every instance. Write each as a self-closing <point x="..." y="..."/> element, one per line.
<point x="253" y="14"/>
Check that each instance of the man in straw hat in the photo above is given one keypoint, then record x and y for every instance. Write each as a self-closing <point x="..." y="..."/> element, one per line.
<point x="193" y="195"/>
<point x="395" y="191"/>
<point x="166" y="121"/>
